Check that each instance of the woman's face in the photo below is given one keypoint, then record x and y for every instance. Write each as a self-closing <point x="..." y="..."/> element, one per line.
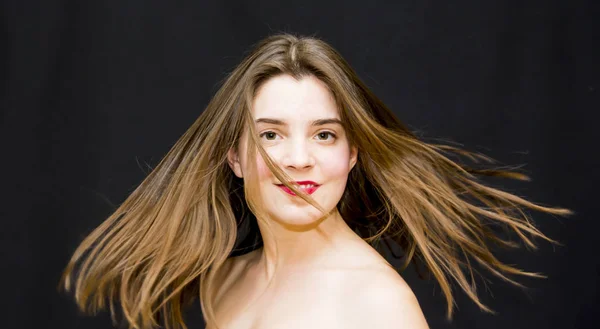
<point x="299" y="127"/>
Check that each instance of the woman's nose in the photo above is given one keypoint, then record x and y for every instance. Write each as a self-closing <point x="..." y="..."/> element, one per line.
<point x="297" y="155"/>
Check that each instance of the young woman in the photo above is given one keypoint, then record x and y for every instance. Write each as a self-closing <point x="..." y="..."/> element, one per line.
<point x="271" y="205"/>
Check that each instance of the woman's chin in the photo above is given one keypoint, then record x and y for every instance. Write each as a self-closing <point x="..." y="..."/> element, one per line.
<point x="299" y="219"/>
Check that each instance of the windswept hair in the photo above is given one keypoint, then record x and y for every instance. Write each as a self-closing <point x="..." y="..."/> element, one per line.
<point x="162" y="246"/>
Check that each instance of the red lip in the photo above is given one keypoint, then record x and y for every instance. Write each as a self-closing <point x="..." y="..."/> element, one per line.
<point x="310" y="190"/>
<point x="303" y="182"/>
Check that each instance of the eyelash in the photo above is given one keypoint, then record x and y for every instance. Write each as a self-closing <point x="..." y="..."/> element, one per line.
<point x="322" y="132"/>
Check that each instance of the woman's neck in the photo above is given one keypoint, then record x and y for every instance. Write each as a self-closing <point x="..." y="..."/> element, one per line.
<point x="303" y="250"/>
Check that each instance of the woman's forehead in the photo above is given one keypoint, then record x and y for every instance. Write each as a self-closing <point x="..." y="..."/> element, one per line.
<point x="294" y="101"/>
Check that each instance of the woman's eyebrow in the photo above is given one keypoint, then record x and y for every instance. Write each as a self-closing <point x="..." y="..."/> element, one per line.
<point x="318" y="122"/>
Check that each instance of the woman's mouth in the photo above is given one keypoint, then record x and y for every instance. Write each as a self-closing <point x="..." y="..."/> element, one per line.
<point x="308" y="187"/>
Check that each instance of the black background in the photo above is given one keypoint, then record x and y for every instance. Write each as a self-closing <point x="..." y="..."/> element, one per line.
<point x="94" y="93"/>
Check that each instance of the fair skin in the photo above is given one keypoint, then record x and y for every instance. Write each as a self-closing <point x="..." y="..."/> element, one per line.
<point x="326" y="275"/>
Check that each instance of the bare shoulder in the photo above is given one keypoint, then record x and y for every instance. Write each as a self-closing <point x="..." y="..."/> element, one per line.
<point x="229" y="274"/>
<point x="385" y="300"/>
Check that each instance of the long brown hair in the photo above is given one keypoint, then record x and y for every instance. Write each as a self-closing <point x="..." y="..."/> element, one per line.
<point x="163" y="245"/>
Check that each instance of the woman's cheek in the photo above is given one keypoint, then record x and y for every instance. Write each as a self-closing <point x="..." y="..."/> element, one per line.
<point x="335" y="164"/>
<point x="263" y="170"/>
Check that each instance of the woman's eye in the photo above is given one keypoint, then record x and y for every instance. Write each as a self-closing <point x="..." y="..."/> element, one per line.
<point x="269" y="134"/>
<point x="323" y="135"/>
